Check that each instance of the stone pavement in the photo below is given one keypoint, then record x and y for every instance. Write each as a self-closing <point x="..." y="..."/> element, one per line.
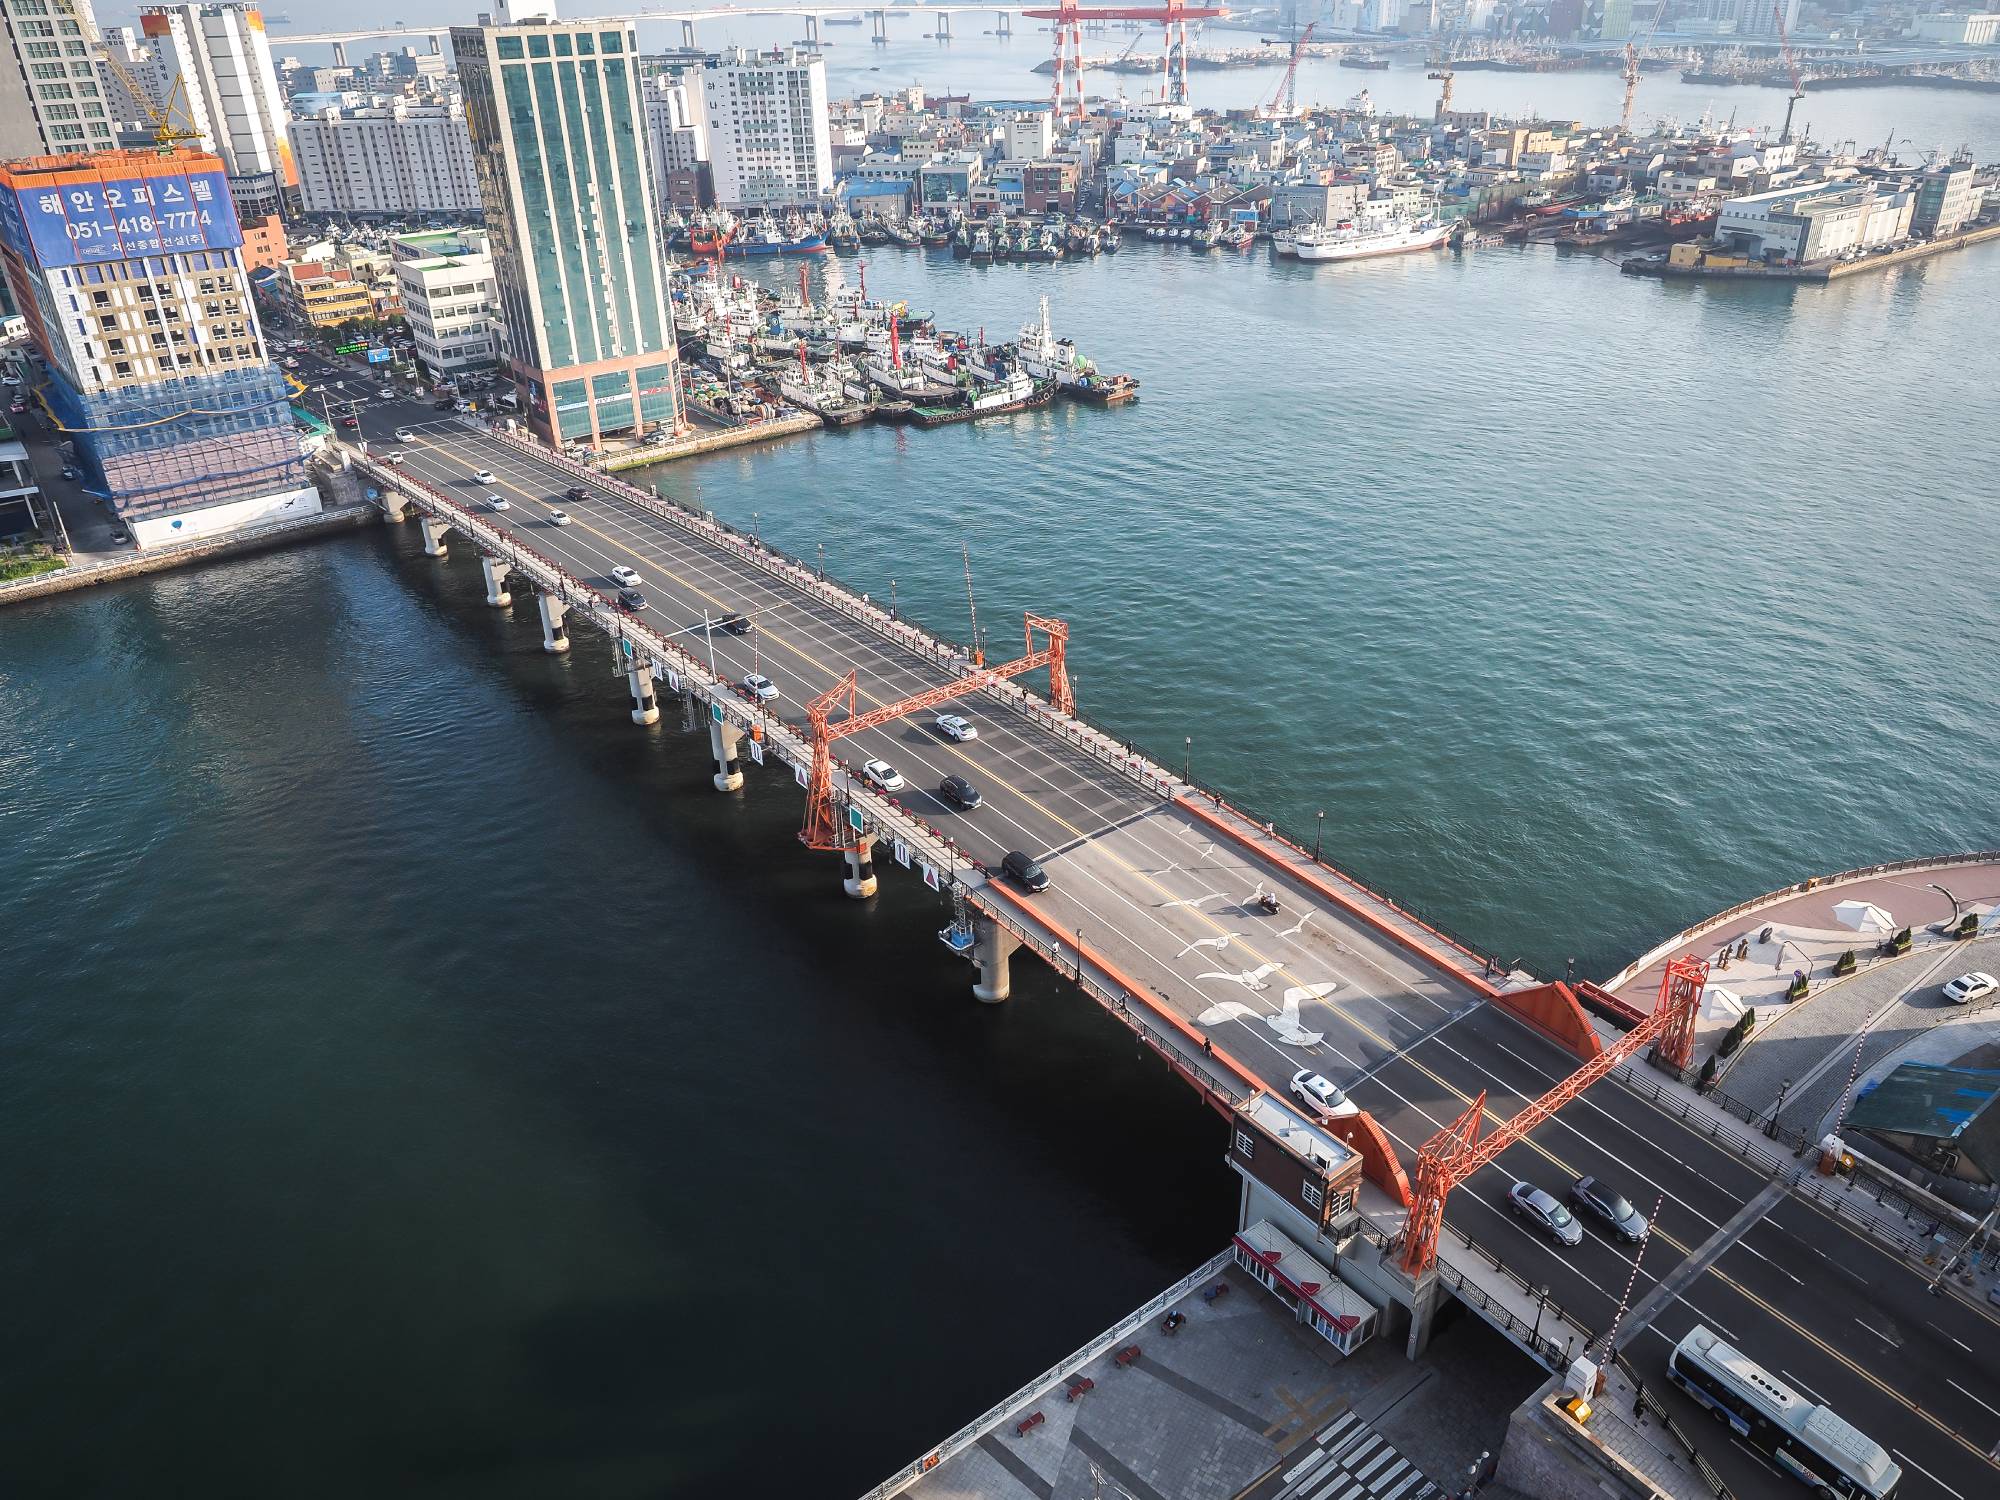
<point x="1239" y="1392"/>
<point x="1812" y="1044"/>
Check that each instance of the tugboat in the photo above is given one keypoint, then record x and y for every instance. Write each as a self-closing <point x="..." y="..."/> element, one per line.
<point x="1045" y="357"/>
<point x="825" y="398"/>
<point x="982" y="246"/>
<point x="994" y="394"/>
<point x="841" y="233"/>
<point x="905" y="382"/>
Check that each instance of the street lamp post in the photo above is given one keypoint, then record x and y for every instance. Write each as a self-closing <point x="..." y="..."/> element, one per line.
<point x="1542" y="1301"/>
<point x="1777" y="1108"/>
<point x="1187" y="755"/>
<point x="1319" y="834"/>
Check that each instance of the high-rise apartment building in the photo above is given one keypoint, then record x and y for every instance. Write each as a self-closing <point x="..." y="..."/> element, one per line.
<point x="558" y="124"/>
<point x="678" y="132"/>
<point x="769" y="139"/>
<point x="127" y="266"/>
<point x="228" y="93"/>
<point x="395" y="156"/>
<point x="50" y="99"/>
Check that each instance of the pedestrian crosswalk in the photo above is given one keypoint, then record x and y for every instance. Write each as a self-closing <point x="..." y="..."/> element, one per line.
<point x="1349" y="1460"/>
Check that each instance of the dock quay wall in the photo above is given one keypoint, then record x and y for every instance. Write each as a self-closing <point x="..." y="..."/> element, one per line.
<point x="187" y="554"/>
<point x="712" y="442"/>
<point x="1816" y="274"/>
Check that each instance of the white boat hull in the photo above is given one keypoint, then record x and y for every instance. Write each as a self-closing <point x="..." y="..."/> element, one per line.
<point x="1366" y="245"/>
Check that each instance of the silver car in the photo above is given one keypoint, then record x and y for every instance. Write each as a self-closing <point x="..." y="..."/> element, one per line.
<point x="1545" y="1212"/>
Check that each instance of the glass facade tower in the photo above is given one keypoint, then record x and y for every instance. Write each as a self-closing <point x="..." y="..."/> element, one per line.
<point x="558" y="123"/>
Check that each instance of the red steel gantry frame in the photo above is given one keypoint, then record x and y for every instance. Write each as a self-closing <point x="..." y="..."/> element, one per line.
<point x="821" y="829"/>
<point x="1456" y="1152"/>
<point x="1069" y="17"/>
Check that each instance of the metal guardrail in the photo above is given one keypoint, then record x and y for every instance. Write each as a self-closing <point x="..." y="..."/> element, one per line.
<point x="1554" y="1356"/>
<point x="977" y="1428"/>
<point x="1771" y="898"/>
<point x="1704" y="1471"/>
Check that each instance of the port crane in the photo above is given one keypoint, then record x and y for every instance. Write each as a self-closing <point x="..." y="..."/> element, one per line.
<point x="1631" y="73"/>
<point x="1285" y="100"/>
<point x="1440" y="73"/>
<point x="1069" y="17"/>
<point x="1791" y="68"/>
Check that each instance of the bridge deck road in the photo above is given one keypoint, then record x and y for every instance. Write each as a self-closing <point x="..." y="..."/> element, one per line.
<point x="1150" y="889"/>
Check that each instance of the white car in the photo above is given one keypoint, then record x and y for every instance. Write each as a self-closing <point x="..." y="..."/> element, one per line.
<point x="1322" y="1096"/>
<point x="482" y="476"/>
<point x="394" y="456"/>
<point x="760" y="687"/>
<point x="498" y="502"/>
<point x="11" y="378"/>
<point x="956" y="727"/>
<point x="625" y="578"/>
<point x="559" y="518"/>
<point x="882" y="776"/>
<point x="405" y="435"/>
<point x="1970" y="987"/>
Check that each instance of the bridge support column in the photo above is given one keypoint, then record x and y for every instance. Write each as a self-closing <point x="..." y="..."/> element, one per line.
<point x="645" y="706"/>
<point x="495" y="572"/>
<point x="1424" y="1298"/>
<point x="944" y="26"/>
<point x="992" y="948"/>
<point x="858" y="873"/>
<point x="812" y="30"/>
<point x="881" y="24"/>
<point x="555" y="634"/>
<point x="394" y="507"/>
<point x="687" y="35"/>
<point x="435" y="533"/>
<point x="1005" y="24"/>
<point x="723" y="740"/>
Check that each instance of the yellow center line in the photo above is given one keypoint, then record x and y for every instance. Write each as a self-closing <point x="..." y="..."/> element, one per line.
<point x="1450" y="1089"/>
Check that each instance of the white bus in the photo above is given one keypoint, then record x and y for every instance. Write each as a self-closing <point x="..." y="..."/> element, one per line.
<point x="1801" y="1437"/>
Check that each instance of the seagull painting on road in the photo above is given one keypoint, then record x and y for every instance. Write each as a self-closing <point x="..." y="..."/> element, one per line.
<point x="1284" y="1025"/>
<point x="1187" y="901"/>
<point x="1217" y="943"/>
<point x="1250" y="979"/>
<point x="1295" y="929"/>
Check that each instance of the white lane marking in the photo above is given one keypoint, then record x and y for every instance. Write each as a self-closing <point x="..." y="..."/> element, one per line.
<point x="1804" y="1387"/>
<point x="1893" y="1343"/>
<point x="1961" y="1344"/>
<point x="1964" y="1392"/>
<point x="1926" y="1473"/>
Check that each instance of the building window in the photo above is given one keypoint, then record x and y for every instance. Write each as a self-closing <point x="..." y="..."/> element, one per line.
<point x="1314" y="1196"/>
<point x="1246" y="1144"/>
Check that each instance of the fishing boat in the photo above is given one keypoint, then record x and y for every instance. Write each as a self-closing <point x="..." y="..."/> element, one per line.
<point x="1014" y="391"/>
<point x="982" y="247"/>
<point x="825" y="397"/>
<point x="767" y="239"/>
<point x="906" y="381"/>
<point x="1043" y="356"/>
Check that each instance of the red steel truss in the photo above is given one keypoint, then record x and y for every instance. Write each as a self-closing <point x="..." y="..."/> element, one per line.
<point x="821" y="830"/>
<point x="1069" y="18"/>
<point x="1456" y="1152"/>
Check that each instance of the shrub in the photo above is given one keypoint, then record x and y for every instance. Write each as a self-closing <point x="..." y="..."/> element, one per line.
<point x="1798" y="989"/>
<point x="1737" y="1033"/>
<point x="1845" y="964"/>
<point x="1707" y="1073"/>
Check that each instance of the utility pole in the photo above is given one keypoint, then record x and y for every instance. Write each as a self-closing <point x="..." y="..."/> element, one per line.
<point x="971" y="606"/>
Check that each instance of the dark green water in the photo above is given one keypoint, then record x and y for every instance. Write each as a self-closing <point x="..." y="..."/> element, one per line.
<point x="419" y="1083"/>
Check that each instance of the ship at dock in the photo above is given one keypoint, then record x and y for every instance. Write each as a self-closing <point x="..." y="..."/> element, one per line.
<point x="1362" y="239"/>
<point x="1045" y="357"/>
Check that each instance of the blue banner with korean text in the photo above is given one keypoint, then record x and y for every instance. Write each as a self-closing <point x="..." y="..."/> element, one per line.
<point x="91" y="220"/>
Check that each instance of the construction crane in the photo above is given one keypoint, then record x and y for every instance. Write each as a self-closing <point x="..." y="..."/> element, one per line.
<point x="1791" y="67"/>
<point x="1440" y="72"/>
<point x="1285" y="100"/>
<point x="1631" y="73"/>
<point x="166" y="134"/>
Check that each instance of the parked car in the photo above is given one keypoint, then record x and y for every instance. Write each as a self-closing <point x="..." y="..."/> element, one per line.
<point x="1609" y="1207"/>
<point x="760" y="687"/>
<point x="882" y="776"/>
<point x="1024" y="872"/>
<point x="959" y="792"/>
<point x="1322" y="1096"/>
<point x="632" y="600"/>
<point x="956" y="727"/>
<point x="120" y="535"/>
<point x="1970" y="987"/>
<point x="1543" y="1211"/>
<point x="626" y="577"/>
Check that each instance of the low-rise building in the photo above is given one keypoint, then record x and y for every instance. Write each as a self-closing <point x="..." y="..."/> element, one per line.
<point x="323" y="295"/>
<point x="1945" y="199"/>
<point x="1809" y="222"/>
<point x="449" y="299"/>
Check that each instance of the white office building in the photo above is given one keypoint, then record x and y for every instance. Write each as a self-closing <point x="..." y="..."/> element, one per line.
<point x="449" y="299"/>
<point x="391" y="157"/>
<point x="51" y="101"/>
<point x="228" y="93"/>
<point x="769" y="141"/>
<point x="1959" y="30"/>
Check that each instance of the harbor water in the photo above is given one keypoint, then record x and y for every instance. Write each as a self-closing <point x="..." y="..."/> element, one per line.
<point x="421" y="1083"/>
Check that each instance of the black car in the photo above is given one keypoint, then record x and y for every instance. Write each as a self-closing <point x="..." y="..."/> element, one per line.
<point x="574" y="492"/>
<point x="1604" y="1203"/>
<point x="632" y="599"/>
<point x="1025" y="873"/>
<point x="734" y="623"/>
<point x="446" y="405"/>
<point x="959" y="792"/>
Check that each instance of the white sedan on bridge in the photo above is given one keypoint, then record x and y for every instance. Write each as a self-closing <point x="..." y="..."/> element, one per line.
<point x="482" y="476"/>
<point x="956" y="727"/>
<point x="498" y="502"/>
<point x="882" y="776"/>
<point x="1322" y="1095"/>
<point x="760" y="687"/>
<point x="626" y="578"/>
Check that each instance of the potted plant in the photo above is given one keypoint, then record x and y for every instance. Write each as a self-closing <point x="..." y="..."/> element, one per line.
<point x="1844" y="965"/>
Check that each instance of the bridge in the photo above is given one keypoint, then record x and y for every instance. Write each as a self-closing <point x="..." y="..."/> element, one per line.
<point x="1468" y="1077"/>
<point x="878" y="17"/>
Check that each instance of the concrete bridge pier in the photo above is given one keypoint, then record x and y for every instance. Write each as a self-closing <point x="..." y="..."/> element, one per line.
<point x="1424" y="1297"/>
<point x="812" y="30"/>
<point x="723" y="740"/>
<point x="687" y="34"/>
<point x="435" y="533"/>
<point x="992" y="948"/>
<point x="1004" y="24"/>
<point x="495" y="573"/>
<point x="645" y="706"/>
<point x="340" y="54"/>
<point x="859" y="878"/>
<point x="879" y="19"/>
<point x="944" y="26"/>
<point x="395" y="508"/>
<point x="555" y="634"/>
